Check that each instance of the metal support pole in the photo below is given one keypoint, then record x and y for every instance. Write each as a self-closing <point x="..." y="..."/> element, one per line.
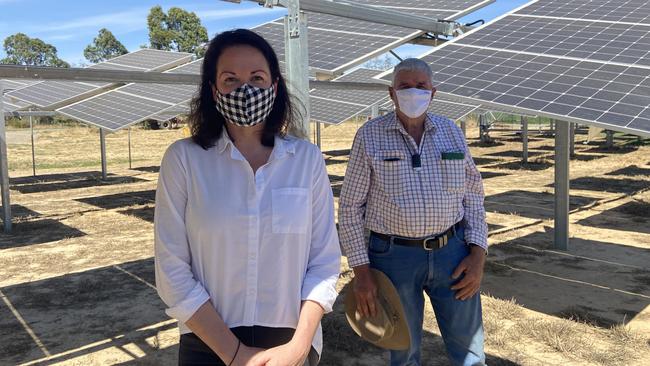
<point x="572" y="140"/>
<point x="4" y="167"/>
<point x="318" y="139"/>
<point x="31" y="128"/>
<point x="561" y="185"/>
<point x="524" y="139"/>
<point x="609" y="141"/>
<point x="463" y="126"/>
<point x="296" y="57"/>
<point x="130" y="166"/>
<point x="483" y="129"/>
<point x="102" y="142"/>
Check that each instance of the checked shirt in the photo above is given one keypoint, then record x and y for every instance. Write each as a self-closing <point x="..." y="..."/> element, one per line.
<point x="383" y="193"/>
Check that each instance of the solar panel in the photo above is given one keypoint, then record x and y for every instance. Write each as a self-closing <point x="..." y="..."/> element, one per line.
<point x="13" y="84"/>
<point x="50" y="94"/>
<point x="333" y="112"/>
<point x="593" y="70"/>
<point x="12" y="105"/>
<point x="173" y="112"/>
<point x="632" y="11"/>
<point x="113" y="110"/>
<point x="337" y="43"/>
<point x="594" y="40"/>
<point x="335" y="106"/>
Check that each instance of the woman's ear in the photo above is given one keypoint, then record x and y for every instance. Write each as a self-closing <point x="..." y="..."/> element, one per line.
<point x="275" y="87"/>
<point x="215" y="92"/>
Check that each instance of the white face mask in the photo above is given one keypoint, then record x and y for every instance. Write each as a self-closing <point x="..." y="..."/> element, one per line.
<point x="413" y="102"/>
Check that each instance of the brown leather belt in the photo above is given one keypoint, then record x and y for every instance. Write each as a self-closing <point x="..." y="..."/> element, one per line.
<point x="429" y="243"/>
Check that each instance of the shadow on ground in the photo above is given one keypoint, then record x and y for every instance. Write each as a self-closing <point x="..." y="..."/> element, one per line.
<point x="58" y="182"/>
<point x="75" y="310"/>
<point x="598" y="282"/>
<point x="534" y="205"/>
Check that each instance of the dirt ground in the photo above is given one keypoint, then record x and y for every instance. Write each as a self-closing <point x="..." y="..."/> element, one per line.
<point x="77" y="282"/>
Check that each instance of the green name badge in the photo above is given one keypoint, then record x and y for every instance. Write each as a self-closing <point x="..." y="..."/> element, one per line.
<point x="453" y="156"/>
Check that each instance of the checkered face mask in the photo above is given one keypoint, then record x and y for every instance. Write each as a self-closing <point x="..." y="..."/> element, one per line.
<point x="246" y="105"/>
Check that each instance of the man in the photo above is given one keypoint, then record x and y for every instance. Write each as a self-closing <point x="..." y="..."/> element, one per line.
<point x="412" y="182"/>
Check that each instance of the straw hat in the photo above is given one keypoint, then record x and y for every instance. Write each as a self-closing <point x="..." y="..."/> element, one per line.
<point x="388" y="328"/>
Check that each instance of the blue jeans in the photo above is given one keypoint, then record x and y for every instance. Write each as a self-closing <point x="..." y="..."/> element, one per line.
<point x="414" y="270"/>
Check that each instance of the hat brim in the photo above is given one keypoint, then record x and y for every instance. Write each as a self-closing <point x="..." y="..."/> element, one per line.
<point x="400" y="338"/>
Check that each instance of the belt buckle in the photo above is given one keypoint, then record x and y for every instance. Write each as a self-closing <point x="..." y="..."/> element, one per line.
<point x="425" y="243"/>
<point x="440" y="241"/>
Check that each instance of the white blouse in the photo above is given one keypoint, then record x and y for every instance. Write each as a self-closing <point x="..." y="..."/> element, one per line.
<point x="255" y="245"/>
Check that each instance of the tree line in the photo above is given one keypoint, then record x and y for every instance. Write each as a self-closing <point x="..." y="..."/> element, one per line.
<point x="177" y="30"/>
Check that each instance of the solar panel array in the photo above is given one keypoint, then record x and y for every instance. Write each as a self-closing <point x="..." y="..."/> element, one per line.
<point x="337" y="44"/>
<point x="51" y="93"/>
<point x="335" y="106"/>
<point x="135" y="102"/>
<point x="579" y="61"/>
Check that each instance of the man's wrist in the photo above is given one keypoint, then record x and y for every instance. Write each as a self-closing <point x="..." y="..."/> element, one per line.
<point x="477" y="248"/>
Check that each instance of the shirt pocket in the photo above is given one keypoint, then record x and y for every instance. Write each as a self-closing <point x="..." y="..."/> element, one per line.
<point x="453" y="175"/>
<point x="290" y="210"/>
<point x="390" y="171"/>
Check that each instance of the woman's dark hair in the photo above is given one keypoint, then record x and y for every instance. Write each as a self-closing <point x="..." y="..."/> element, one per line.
<point x="207" y="123"/>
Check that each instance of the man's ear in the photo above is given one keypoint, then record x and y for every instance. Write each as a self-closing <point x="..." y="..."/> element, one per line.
<point x="433" y="92"/>
<point x="391" y="93"/>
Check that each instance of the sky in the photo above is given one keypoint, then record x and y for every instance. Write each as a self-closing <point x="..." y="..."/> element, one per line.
<point x="71" y="25"/>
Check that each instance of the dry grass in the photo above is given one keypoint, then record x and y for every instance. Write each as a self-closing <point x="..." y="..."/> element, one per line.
<point x="72" y="228"/>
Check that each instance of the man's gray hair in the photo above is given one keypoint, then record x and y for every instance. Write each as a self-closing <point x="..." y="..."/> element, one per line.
<point x="412" y="64"/>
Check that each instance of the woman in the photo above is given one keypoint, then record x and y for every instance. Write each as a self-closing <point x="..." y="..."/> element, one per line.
<point x="247" y="254"/>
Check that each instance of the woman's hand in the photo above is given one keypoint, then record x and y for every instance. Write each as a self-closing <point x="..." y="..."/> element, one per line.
<point x="245" y="355"/>
<point x="289" y="354"/>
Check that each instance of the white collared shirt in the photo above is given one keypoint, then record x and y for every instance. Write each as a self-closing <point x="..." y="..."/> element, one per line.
<point x="255" y="245"/>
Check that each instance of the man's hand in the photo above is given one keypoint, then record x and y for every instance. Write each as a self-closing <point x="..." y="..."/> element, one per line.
<point x="289" y="354"/>
<point x="365" y="291"/>
<point x="472" y="267"/>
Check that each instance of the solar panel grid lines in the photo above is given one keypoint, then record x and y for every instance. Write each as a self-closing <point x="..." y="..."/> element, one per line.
<point x="585" y="71"/>
<point x="632" y="11"/>
<point x="603" y="93"/>
<point x="123" y="110"/>
<point x="164" y="97"/>
<point x="332" y="112"/>
<point x="338" y="44"/>
<point x="51" y="94"/>
<point x="607" y="42"/>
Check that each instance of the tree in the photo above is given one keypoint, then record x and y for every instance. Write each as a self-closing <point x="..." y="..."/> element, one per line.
<point x="104" y="47"/>
<point x="23" y="50"/>
<point x="178" y="30"/>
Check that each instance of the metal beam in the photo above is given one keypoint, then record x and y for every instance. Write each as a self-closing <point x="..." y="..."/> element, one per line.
<point x="353" y="10"/>
<point x="296" y="58"/>
<point x="102" y="144"/>
<point x="561" y="185"/>
<point x="4" y="167"/>
<point x="31" y="129"/>
<point x="524" y="139"/>
<point x="75" y="74"/>
<point x="572" y="140"/>
<point x="79" y="74"/>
